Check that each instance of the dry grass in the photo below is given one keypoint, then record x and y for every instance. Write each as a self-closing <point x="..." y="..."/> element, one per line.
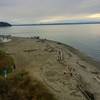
<point x="20" y="86"/>
<point x="6" y="62"/>
<point x="5" y="59"/>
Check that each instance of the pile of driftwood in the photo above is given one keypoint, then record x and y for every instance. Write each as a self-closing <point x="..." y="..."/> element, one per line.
<point x="81" y="85"/>
<point x="49" y="48"/>
<point x="60" y="56"/>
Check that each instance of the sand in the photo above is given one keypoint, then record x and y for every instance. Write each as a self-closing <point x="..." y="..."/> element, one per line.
<point x="60" y="67"/>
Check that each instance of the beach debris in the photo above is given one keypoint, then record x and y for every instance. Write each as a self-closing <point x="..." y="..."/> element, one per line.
<point x="75" y="93"/>
<point x="81" y="65"/>
<point x="95" y="72"/>
<point x="97" y="78"/>
<point x="59" y="43"/>
<point x="49" y="48"/>
<point x="68" y="74"/>
<point x="70" y="71"/>
<point x="88" y="95"/>
<point x="42" y="40"/>
<point x="81" y="85"/>
<point x="60" y="57"/>
<point x="30" y="50"/>
<point x="35" y="37"/>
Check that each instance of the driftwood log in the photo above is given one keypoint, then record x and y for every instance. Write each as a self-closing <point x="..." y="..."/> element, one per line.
<point x="81" y="85"/>
<point x="30" y="50"/>
<point x="88" y="95"/>
<point x="60" y="56"/>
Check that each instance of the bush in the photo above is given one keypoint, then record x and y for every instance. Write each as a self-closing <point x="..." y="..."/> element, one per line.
<point x="20" y="86"/>
<point x="6" y="63"/>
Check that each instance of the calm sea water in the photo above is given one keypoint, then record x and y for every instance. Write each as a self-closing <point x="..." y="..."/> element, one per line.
<point x="84" y="37"/>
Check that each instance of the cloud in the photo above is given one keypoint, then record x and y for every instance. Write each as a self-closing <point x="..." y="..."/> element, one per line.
<point x="94" y="16"/>
<point x="21" y="11"/>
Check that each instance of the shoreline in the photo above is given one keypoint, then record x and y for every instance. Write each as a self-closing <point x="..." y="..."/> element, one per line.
<point x="76" y="51"/>
<point x="83" y="56"/>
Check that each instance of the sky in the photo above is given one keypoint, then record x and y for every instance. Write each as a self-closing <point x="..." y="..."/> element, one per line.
<point x="49" y="11"/>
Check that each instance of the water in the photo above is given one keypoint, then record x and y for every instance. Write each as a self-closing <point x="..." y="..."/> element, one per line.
<point x="84" y="37"/>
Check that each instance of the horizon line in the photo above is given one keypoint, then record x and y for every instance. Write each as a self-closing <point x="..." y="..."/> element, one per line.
<point x="69" y="23"/>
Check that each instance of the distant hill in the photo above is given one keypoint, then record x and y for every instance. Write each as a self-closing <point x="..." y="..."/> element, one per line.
<point x="4" y="24"/>
<point x="67" y="23"/>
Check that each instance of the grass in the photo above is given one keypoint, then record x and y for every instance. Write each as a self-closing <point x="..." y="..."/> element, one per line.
<point x="20" y="86"/>
<point x="6" y="63"/>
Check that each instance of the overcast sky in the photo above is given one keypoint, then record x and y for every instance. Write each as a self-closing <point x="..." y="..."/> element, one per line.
<point x="33" y="11"/>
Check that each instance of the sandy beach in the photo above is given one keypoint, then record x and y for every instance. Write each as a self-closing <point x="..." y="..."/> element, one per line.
<point x="69" y="74"/>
